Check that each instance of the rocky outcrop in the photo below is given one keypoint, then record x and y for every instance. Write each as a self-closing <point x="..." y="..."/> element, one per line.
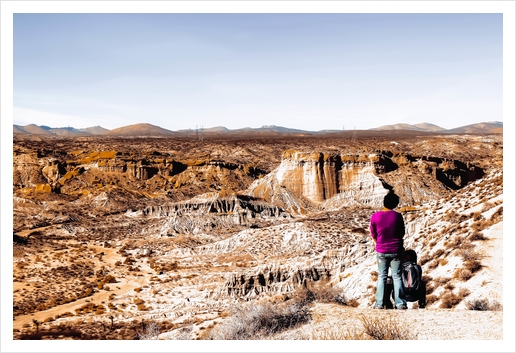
<point x="273" y="280"/>
<point x="333" y="179"/>
<point x="206" y="213"/>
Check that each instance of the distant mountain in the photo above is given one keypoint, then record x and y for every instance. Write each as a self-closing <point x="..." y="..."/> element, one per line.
<point x="139" y="130"/>
<point x="429" y="127"/>
<point x="145" y="129"/>
<point x="493" y="127"/>
<point x="95" y="130"/>
<point x="216" y="129"/>
<point x="17" y="129"/>
<point x="269" y="130"/>
<point x="35" y="129"/>
<point x="416" y="127"/>
<point x="68" y="132"/>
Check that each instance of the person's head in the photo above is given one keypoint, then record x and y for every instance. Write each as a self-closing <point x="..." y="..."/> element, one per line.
<point x="391" y="200"/>
<point x="410" y="256"/>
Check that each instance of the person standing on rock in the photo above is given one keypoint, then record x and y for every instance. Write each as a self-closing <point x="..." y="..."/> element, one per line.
<point x="387" y="230"/>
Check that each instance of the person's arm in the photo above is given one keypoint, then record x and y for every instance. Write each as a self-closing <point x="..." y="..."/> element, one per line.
<point x="400" y="229"/>
<point x="372" y="229"/>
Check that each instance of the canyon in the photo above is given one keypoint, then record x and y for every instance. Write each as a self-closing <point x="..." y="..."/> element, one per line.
<point x="113" y="233"/>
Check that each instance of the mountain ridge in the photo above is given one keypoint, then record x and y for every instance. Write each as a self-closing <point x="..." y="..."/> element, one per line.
<point x="146" y="129"/>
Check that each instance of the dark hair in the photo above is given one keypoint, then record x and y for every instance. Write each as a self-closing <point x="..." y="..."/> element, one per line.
<point x="411" y="255"/>
<point x="391" y="200"/>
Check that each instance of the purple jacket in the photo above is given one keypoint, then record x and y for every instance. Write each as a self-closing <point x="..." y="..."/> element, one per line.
<point x="388" y="228"/>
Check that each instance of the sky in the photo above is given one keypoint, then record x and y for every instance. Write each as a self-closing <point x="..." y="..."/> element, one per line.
<point x="307" y="71"/>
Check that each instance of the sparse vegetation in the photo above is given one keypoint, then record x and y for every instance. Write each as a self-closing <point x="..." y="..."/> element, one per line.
<point x="450" y="299"/>
<point x="382" y="328"/>
<point x="483" y="305"/>
<point x="260" y="321"/>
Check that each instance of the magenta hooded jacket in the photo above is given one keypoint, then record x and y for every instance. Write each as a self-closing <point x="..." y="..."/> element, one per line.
<point x="388" y="228"/>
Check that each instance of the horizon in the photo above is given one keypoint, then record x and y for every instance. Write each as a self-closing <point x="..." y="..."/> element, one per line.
<point x="307" y="71"/>
<point x="246" y="127"/>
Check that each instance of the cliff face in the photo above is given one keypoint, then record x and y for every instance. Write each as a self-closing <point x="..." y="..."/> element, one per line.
<point x="333" y="179"/>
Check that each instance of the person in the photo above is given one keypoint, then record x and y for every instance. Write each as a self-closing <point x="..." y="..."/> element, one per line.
<point x="419" y="295"/>
<point x="387" y="229"/>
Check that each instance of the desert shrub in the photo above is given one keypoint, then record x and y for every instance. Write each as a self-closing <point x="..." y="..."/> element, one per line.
<point x="433" y="264"/>
<point x="454" y="242"/>
<point x="329" y="332"/>
<point x="477" y="236"/>
<point x="259" y="321"/>
<point x="324" y="293"/>
<point x="381" y="328"/>
<point x="483" y="305"/>
<point x="430" y="299"/>
<point x="374" y="276"/>
<point x="467" y="254"/>
<point x="438" y="253"/>
<point x="439" y="281"/>
<point x="449" y="286"/>
<point x="424" y="259"/>
<point x="477" y="216"/>
<point x="472" y="265"/>
<point x="462" y="274"/>
<point x="450" y="300"/>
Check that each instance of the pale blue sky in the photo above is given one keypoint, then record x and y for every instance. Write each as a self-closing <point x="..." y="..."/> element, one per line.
<point x="305" y="71"/>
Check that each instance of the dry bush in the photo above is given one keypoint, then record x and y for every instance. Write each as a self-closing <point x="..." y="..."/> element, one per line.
<point x="259" y="321"/>
<point x="433" y="264"/>
<point x="328" y="332"/>
<point x="430" y="299"/>
<point x="439" y="281"/>
<point x="374" y="276"/>
<point x="477" y="235"/>
<point x="472" y="265"/>
<point x="467" y="255"/>
<point x="450" y="300"/>
<point x="379" y="328"/>
<point x="151" y="332"/>
<point x="443" y="262"/>
<point x="483" y="305"/>
<point x="430" y="287"/>
<point x="454" y="242"/>
<point x="438" y="253"/>
<point x="424" y="259"/>
<point x="449" y="286"/>
<point x="323" y="292"/>
<point x="477" y="216"/>
<point x="497" y="216"/>
<point x="462" y="274"/>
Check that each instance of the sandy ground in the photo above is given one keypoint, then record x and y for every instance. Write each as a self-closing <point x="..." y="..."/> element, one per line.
<point x="426" y="324"/>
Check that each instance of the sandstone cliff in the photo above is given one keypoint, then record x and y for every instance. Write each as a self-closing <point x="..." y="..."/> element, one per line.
<point x="332" y="180"/>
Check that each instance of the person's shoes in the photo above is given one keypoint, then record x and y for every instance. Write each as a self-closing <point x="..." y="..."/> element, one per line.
<point x="377" y="307"/>
<point x="402" y="307"/>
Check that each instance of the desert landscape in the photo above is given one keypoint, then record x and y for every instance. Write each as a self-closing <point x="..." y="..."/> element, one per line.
<point x="228" y="236"/>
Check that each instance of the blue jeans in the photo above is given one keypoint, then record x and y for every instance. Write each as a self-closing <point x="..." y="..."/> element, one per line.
<point x="394" y="262"/>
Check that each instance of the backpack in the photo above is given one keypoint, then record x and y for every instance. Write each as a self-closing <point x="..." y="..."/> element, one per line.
<point x="410" y="277"/>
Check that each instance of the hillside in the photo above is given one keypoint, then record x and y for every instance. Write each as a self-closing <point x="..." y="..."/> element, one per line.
<point x="139" y="130"/>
